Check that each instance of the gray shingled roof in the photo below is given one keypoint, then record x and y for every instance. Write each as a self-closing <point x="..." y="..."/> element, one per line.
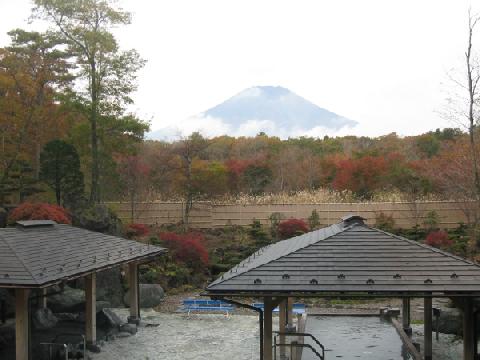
<point x="349" y="257"/>
<point x="36" y="254"/>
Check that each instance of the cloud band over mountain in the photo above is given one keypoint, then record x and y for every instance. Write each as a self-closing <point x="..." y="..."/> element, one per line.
<point x="274" y="110"/>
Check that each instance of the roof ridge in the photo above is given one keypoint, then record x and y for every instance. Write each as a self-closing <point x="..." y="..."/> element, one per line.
<point x="19" y="258"/>
<point x="428" y="247"/>
<point x="223" y="279"/>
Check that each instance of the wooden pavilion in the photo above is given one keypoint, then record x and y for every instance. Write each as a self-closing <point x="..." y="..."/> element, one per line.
<point x="351" y="259"/>
<point x="39" y="254"/>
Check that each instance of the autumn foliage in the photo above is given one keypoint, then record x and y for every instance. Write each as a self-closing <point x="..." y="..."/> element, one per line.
<point x="136" y="230"/>
<point x="292" y="227"/>
<point x="186" y="248"/>
<point x="40" y="211"/>
<point x="361" y="176"/>
<point x="438" y="239"/>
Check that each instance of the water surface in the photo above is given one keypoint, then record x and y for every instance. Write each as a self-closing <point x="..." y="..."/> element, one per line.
<point x="352" y="338"/>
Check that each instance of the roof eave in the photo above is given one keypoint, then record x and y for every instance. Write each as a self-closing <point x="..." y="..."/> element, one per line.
<point x="40" y="285"/>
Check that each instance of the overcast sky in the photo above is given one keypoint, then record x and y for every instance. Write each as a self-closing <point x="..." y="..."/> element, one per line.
<point x="382" y="63"/>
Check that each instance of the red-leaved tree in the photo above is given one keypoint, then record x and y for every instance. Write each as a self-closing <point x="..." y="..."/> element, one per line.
<point x="362" y="176"/>
<point x="136" y="230"/>
<point x="292" y="227"/>
<point x="186" y="248"/>
<point x="40" y="211"/>
<point x="438" y="239"/>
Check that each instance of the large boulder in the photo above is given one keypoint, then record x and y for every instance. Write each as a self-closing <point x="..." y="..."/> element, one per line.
<point x="97" y="218"/>
<point x="151" y="295"/>
<point x="44" y="319"/>
<point x="69" y="300"/>
<point x="7" y="298"/>
<point x="450" y="321"/>
<point x="7" y="336"/>
<point x="107" y="319"/>
<point x="109" y="287"/>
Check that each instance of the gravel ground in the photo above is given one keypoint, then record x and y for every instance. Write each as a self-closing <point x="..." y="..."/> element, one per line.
<point x="187" y="337"/>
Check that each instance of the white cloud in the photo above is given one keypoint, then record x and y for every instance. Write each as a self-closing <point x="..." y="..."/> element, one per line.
<point x="210" y="127"/>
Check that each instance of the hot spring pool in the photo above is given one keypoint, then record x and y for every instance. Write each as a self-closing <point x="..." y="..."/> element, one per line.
<point x="349" y="337"/>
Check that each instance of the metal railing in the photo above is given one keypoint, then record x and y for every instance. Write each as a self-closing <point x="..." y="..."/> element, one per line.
<point x="319" y="353"/>
<point x="66" y="347"/>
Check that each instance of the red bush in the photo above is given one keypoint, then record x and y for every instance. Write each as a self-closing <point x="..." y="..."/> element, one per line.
<point x="137" y="230"/>
<point x="292" y="227"/>
<point x="438" y="239"/>
<point x="186" y="248"/>
<point x="40" y="211"/>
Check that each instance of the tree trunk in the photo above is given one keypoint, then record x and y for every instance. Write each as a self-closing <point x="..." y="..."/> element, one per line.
<point x="94" y="190"/>
<point x="472" y="91"/>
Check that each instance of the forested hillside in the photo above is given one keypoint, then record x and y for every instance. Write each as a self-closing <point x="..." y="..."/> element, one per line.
<point x="359" y="167"/>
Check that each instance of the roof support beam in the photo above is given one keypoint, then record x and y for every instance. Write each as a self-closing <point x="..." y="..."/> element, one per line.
<point x="290" y="311"/>
<point x="22" y="324"/>
<point x="44" y="299"/>
<point x="282" y="324"/>
<point x="468" y="330"/>
<point x="91" y="308"/>
<point x="427" y="328"/>
<point x="406" y="316"/>
<point x="269" y="305"/>
<point x="134" y="317"/>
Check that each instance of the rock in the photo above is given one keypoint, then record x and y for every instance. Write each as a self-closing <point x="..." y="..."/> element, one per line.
<point x="97" y="218"/>
<point x="66" y="316"/>
<point x="8" y="299"/>
<point x="7" y="333"/>
<point x="122" y="334"/>
<point x="44" y="319"/>
<point x="110" y="288"/>
<point x="151" y="295"/>
<point x="450" y="321"/>
<point x="129" y="328"/>
<point x="101" y="304"/>
<point x="108" y="319"/>
<point x="3" y="343"/>
<point x="94" y="348"/>
<point x="70" y="300"/>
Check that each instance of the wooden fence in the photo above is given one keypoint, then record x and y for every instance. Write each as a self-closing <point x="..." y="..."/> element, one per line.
<point x="208" y="215"/>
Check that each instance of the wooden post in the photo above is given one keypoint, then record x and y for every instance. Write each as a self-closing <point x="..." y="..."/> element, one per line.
<point x="468" y="330"/>
<point x="290" y="311"/>
<point x="21" y="324"/>
<point x="43" y="302"/>
<point x="134" y="317"/>
<point x="91" y="308"/>
<point x="406" y="316"/>
<point x="282" y="322"/>
<point x="267" y="329"/>
<point x="427" y="328"/>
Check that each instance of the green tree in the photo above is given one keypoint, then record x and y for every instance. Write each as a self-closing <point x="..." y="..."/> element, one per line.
<point x="60" y="169"/>
<point x="109" y="74"/>
<point x="257" y="177"/>
<point x="32" y="71"/>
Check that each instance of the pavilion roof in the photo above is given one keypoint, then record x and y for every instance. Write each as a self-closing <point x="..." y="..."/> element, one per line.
<point x="349" y="257"/>
<point x="41" y="253"/>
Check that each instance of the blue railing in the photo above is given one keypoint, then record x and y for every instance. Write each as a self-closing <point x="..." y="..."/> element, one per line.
<point x="206" y="305"/>
<point x="297" y="308"/>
